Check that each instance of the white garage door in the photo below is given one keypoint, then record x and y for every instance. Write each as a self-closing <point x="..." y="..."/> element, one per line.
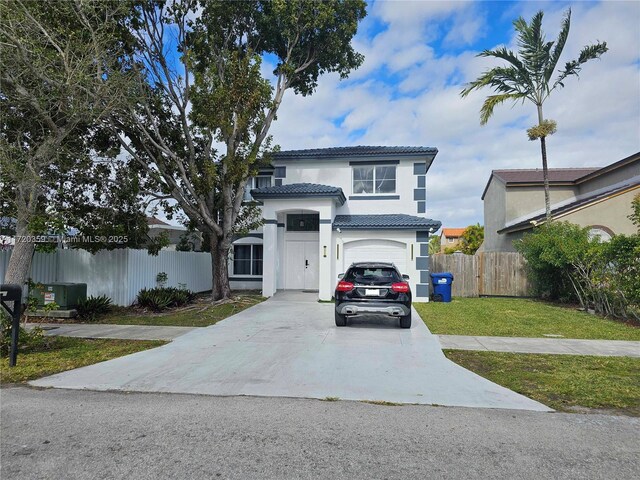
<point x="376" y="251"/>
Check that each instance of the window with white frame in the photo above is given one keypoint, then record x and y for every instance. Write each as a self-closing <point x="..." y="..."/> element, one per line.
<point x="260" y="181"/>
<point x="374" y="179"/>
<point x="247" y="260"/>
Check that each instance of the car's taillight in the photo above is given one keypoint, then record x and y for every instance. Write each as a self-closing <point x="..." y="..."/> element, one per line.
<point x="400" y="287"/>
<point x="344" y="286"/>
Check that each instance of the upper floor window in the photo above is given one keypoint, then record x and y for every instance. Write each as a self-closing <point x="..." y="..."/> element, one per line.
<point x="256" y="182"/>
<point x="374" y="179"/>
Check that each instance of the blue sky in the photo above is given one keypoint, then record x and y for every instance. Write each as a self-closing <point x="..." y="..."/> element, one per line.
<point x="419" y="54"/>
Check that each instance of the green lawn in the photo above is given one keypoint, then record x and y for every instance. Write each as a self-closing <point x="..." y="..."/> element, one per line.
<point x="200" y="314"/>
<point x="57" y="354"/>
<point x="563" y="382"/>
<point x="518" y="317"/>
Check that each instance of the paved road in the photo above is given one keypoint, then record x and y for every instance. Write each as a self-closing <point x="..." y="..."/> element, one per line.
<point x="100" y="435"/>
<point x="289" y="346"/>
<point x="563" y="346"/>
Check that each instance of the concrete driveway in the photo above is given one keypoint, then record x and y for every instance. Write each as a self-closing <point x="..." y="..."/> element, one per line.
<point x="288" y="346"/>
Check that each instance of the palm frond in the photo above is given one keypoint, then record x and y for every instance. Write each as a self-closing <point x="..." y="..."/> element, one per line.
<point x="573" y="67"/>
<point x="559" y="46"/>
<point x="533" y="48"/>
<point x="493" y="101"/>
<point x="505" y="54"/>
<point x="501" y="79"/>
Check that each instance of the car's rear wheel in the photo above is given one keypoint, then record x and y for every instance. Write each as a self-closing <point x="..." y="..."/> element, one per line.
<point x="341" y="320"/>
<point x="405" y="321"/>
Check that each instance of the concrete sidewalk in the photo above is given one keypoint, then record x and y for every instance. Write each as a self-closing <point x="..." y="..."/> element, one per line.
<point x="124" y="332"/>
<point x="562" y="346"/>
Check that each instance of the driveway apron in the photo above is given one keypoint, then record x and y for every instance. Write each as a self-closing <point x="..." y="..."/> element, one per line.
<point x="289" y="346"/>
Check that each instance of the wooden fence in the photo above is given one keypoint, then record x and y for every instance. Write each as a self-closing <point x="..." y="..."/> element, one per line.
<point x="492" y="273"/>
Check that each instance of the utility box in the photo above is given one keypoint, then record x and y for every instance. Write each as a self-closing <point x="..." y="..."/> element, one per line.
<point x="65" y="295"/>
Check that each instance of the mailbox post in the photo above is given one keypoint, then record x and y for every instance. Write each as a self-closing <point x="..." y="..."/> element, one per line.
<point x="10" y="293"/>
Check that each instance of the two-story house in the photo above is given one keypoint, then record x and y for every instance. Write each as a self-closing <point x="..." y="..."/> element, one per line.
<point x="598" y="198"/>
<point x="326" y="208"/>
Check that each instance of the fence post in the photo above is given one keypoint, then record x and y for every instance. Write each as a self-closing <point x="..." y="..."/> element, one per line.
<point x="12" y="293"/>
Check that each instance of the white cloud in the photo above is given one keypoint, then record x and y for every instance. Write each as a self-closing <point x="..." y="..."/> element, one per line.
<point x="598" y="114"/>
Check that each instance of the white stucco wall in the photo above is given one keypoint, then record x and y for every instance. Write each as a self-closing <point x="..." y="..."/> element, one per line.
<point x="339" y="174"/>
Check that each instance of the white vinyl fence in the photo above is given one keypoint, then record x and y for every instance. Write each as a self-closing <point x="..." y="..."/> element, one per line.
<point x="120" y="274"/>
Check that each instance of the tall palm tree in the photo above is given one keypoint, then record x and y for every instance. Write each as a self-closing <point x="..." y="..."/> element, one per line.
<point x="527" y="76"/>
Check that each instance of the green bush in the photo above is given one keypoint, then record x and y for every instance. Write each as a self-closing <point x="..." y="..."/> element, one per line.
<point x="91" y="308"/>
<point x="161" y="298"/>
<point x="565" y="264"/>
<point x="26" y="339"/>
<point x="550" y="252"/>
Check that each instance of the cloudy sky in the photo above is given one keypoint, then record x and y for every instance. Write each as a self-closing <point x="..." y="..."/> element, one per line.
<point x="419" y="54"/>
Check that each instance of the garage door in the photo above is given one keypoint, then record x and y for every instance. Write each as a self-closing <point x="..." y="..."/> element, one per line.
<point x="376" y="251"/>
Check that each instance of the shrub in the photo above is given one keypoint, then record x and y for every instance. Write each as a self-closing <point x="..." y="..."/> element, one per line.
<point x="26" y="339"/>
<point x="161" y="298"/>
<point x="564" y="263"/>
<point x="550" y="252"/>
<point x="91" y="308"/>
<point x="471" y="239"/>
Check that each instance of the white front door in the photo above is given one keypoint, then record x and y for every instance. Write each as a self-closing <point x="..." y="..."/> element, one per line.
<point x="302" y="265"/>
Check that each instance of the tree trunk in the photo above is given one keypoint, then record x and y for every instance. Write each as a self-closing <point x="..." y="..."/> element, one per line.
<point x="545" y="171"/>
<point x="545" y="176"/>
<point x="21" y="255"/>
<point x="219" y="265"/>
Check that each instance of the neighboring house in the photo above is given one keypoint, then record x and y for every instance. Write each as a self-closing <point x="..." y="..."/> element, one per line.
<point x="599" y="198"/>
<point x="450" y="238"/>
<point x="326" y="208"/>
<point x="174" y="233"/>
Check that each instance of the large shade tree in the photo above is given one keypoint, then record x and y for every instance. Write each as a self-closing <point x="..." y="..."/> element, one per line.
<point x="529" y="75"/>
<point x="60" y="73"/>
<point x="197" y="127"/>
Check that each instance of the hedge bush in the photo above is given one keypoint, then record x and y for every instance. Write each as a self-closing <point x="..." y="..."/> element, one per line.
<point x="565" y="264"/>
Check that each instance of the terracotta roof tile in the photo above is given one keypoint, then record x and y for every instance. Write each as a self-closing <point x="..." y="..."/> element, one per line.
<point x="452" y="232"/>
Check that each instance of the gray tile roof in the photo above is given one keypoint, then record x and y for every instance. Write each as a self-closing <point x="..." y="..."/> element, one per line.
<point x="355" y="151"/>
<point x="384" y="221"/>
<point x="299" y="190"/>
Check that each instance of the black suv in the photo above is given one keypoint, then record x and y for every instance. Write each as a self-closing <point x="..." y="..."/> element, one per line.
<point x="373" y="287"/>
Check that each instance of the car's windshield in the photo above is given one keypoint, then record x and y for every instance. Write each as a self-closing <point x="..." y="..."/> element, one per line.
<point x="372" y="275"/>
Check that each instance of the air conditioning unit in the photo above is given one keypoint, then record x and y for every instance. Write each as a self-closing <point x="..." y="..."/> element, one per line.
<point x="65" y="295"/>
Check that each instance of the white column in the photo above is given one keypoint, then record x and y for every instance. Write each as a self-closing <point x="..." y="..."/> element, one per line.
<point x="269" y="260"/>
<point x="324" y="267"/>
<point x="280" y="259"/>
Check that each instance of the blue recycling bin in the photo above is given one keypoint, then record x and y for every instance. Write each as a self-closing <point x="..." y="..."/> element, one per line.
<point x="442" y="286"/>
